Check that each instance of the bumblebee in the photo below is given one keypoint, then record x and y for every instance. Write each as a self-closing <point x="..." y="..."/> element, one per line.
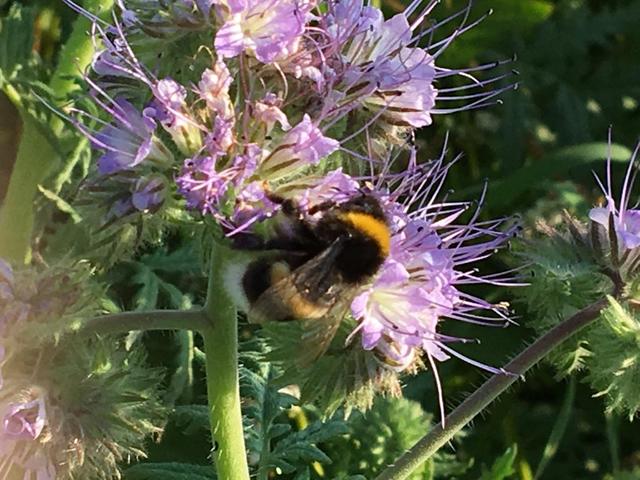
<point x="316" y="265"/>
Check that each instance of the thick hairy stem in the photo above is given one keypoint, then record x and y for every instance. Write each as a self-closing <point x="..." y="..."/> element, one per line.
<point x="149" y="320"/>
<point x="488" y="392"/>
<point x="223" y="389"/>
<point x="36" y="157"/>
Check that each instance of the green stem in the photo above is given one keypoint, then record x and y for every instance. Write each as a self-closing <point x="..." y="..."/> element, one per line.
<point x="33" y="160"/>
<point x="77" y="52"/>
<point x="613" y="427"/>
<point x="148" y="320"/>
<point x="36" y="156"/>
<point x="221" y="348"/>
<point x="488" y="392"/>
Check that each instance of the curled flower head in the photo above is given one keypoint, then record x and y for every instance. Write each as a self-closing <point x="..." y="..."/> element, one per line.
<point x="68" y="424"/>
<point x="617" y="218"/>
<point x="289" y="87"/>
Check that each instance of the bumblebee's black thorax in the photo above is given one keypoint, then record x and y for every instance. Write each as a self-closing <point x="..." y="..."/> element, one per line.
<point x="361" y="229"/>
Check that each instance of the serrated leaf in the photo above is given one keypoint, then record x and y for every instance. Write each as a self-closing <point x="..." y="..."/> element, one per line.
<point x="268" y="430"/>
<point x="183" y="259"/>
<point x="181" y="383"/>
<point x="169" y="471"/>
<point x="502" y="468"/>
<point x="192" y="418"/>
<point x="146" y="298"/>
<point x="61" y="204"/>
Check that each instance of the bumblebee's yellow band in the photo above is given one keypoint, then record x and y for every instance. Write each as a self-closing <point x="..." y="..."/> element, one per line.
<point x="374" y="228"/>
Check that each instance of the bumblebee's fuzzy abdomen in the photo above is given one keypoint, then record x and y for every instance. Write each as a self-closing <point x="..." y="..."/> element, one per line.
<point x="360" y="258"/>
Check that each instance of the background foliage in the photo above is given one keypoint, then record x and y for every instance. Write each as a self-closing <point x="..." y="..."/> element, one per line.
<point x="579" y="72"/>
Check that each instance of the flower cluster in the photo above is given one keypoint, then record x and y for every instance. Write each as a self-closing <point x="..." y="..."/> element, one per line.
<point x="304" y="100"/>
<point x="65" y="408"/>
<point x="290" y="89"/>
<point x="581" y="264"/>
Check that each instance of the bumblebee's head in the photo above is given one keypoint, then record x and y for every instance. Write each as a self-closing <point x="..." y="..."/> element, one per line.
<point x="366" y="204"/>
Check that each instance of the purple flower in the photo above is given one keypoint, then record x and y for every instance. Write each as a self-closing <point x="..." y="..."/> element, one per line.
<point x="405" y="92"/>
<point x="149" y="194"/>
<point x="128" y="141"/>
<point x="382" y="70"/>
<point x="301" y="146"/>
<point x="170" y="109"/>
<point x="21" y="438"/>
<point x="201" y="185"/>
<point x="625" y="220"/>
<point x="376" y="64"/>
<point x="421" y="282"/>
<point x="24" y="420"/>
<point x="268" y="111"/>
<point x="266" y="29"/>
<point x="213" y="88"/>
<point x="220" y="139"/>
<point x="204" y="186"/>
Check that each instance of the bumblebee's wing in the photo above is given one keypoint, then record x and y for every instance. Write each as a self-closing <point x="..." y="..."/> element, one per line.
<point x="310" y="291"/>
<point x="315" y="294"/>
<point x="319" y="333"/>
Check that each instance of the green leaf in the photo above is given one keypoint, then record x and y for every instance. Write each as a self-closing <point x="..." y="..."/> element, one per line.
<point x="16" y="39"/>
<point x="559" y="428"/>
<point x="146" y="298"/>
<point x="62" y="205"/>
<point x="183" y="259"/>
<point x="181" y="383"/>
<point x="502" y="468"/>
<point x="536" y="175"/>
<point x="192" y="418"/>
<point x="268" y="430"/>
<point x="169" y="471"/>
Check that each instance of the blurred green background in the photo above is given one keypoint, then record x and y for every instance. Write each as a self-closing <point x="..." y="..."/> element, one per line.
<point x="579" y="72"/>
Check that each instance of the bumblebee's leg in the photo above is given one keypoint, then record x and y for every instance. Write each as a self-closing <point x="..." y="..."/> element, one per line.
<point x="248" y="241"/>
<point x="289" y="207"/>
<point x="321" y="207"/>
